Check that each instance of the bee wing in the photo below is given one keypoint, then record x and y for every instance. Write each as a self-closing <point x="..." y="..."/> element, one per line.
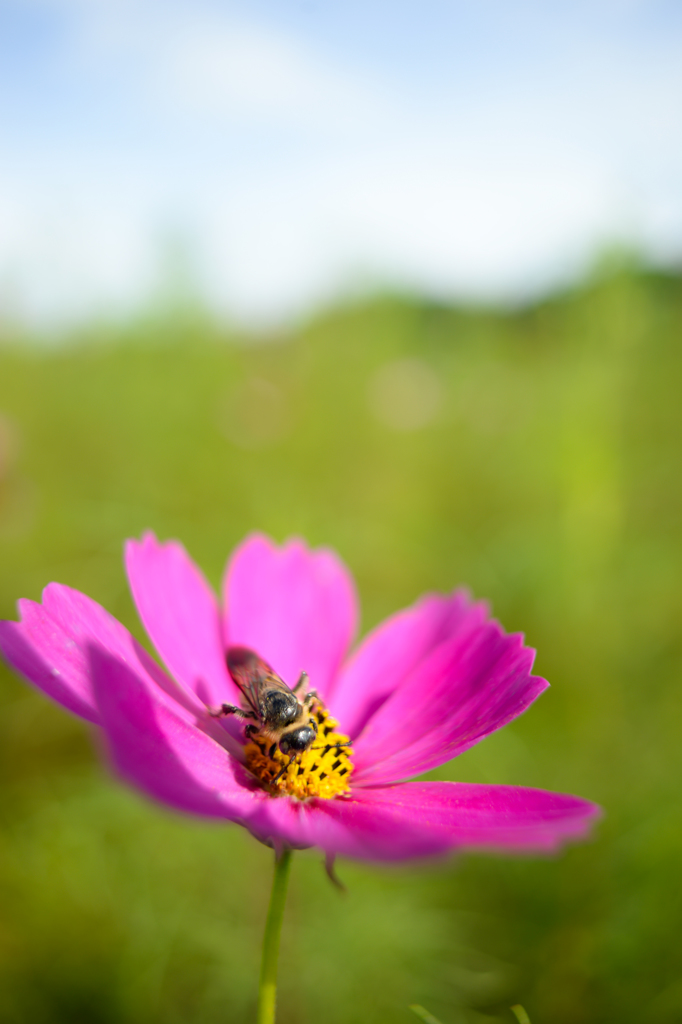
<point x="253" y="676"/>
<point x="272" y="682"/>
<point x="249" y="690"/>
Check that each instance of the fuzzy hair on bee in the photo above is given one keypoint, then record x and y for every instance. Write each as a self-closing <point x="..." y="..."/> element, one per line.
<point x="269" y="706"/>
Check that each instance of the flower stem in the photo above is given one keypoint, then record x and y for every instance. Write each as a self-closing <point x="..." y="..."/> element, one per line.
<point x="267" y="988"/>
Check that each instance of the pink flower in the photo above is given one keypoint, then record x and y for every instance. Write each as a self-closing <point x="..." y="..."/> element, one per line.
<point x="421" y="688"/>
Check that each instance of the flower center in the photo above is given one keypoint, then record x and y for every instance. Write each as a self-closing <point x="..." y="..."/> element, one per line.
<point x="323" y="770"/>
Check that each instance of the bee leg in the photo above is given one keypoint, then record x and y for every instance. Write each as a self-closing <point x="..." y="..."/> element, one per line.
<point x="302" y="682"/>
<point x="230" y="709"/>
<point x="284" y="768"/>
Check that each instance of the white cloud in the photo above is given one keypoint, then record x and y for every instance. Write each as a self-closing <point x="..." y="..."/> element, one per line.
<point x="188" y="60"/>
<point x="295" y="170"/>
<point x="244" y="74"/>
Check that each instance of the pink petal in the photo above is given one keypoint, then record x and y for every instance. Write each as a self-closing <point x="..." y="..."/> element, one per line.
<point x="391" y="652"/>
<point x="50" y="647"/>
<point x="418" y="819"/>
<point x="452" y="815"/>
<point x="347" y="826"/>
<point x="46" y="656"/>
<point x="159" y="747"/>
<point x="467" y="688"/>
<point x="295" y="607"/>
<point x="180" y="614"/>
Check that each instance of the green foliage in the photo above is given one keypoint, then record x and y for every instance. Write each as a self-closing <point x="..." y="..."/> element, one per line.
<point x="533" y="455"/>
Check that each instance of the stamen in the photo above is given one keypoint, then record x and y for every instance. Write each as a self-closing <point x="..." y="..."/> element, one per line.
<point x="319" y="771"/>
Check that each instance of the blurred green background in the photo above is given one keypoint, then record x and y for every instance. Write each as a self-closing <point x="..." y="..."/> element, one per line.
<point x="532" y="455"/>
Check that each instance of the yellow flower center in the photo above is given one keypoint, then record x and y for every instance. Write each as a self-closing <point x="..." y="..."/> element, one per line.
<point x="323" y="770"/>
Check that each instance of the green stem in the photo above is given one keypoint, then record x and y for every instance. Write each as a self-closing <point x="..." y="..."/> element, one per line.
<point x="267" y="988"/>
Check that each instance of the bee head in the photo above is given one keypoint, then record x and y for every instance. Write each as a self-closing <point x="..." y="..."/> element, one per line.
<point x="297" y="740"/>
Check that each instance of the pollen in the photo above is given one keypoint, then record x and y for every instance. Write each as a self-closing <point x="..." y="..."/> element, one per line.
<point x="323" y="770"/>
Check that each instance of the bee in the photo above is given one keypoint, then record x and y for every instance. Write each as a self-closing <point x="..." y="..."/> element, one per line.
<point x="269" y="707"/>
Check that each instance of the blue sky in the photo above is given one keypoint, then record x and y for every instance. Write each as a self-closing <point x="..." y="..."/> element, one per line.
<point x="304" y="150"/>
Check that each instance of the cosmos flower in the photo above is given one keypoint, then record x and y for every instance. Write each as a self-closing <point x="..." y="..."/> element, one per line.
<point x="424" y="686"/>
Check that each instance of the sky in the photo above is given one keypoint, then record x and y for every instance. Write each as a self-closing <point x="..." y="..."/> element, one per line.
<point x="273" y="156"/>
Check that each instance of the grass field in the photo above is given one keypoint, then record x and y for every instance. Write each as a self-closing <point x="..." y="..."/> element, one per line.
<point x="533" y="455"/>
